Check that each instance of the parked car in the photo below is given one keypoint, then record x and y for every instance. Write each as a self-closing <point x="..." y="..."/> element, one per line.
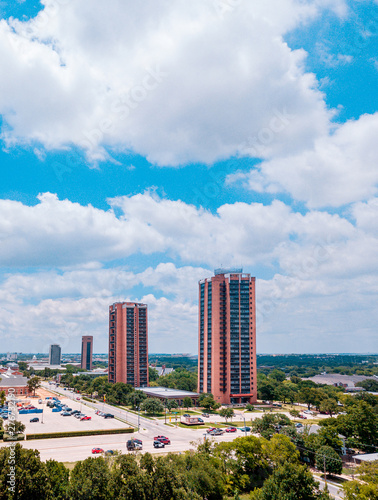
<point x="302" y="416"/>
<point x="163" y="439"/>
<point x="158" y="444"/>
<point x="85" y="417"/>
<point x="206" y="415"/>
<point x="97" y="450"/>
<point x="216" y="432"/>
<point x="66" y="414"/>
<point x="35" y="419"/>
<point x="200" y="420"/>
<point x="40" y="401"/>
<point x="210" y="429"/>
<point x="244" y="429"/>
<point x="133" y="445"/>
<point x="110" y="452"/>
<point x="186" y="415"/>
<point x="298" y="424"/>
<point x="231" y="429"/>
<point x="108" y="415"/>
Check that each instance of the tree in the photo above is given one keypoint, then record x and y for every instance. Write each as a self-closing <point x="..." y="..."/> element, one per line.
<point x="270" y="424"/>
<point x="368" y="490"/>
<point x="28" y="476"/>
<point x="280" y="450"/>
<point x="2" y="397"/>
<point x="249" y="407"/>
<point x="289" y="482"/>
<point x="152" y="406"/>
<point x="277" y="375"/>
<point x="120" y="392"/>
<point x="33" y="384"/>
<point x="136" y="397"/>
<point x="329" y="405"/>
<point x="153" y="374"/>
<point x="328" y="460"/>
<point x="171" y="404"/>
<point x="226" y="413"/>
<point x="58" y="476"/>
<point x="187" y="402"/>
<point x="90" y="480"/>
<point x="294" y="413"/>
<point x="14" y="428"/>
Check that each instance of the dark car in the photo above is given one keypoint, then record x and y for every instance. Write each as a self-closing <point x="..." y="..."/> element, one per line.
<point x="200" y="420"/>
<point x="206" y="415"/>
<point x="244" y="429"/>
<point x="134" y="444"/>
<point x="108" y="415"/>
<point x="66" y="414"/>
<point x="186" y="415"/>
<point x="35" y="419"/>
<point x="158" y="444"/>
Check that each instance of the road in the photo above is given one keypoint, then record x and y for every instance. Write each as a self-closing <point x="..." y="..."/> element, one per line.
<point x="335" y="491"/>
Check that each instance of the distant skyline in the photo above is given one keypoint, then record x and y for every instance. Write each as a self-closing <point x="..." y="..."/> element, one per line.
<point x="144" y="145"/>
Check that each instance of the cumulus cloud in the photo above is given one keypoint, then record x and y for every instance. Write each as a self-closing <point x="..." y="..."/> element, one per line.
<point x="61" y="233"/>
<point x="338" y="170"/>
<point x="176" y="83"/>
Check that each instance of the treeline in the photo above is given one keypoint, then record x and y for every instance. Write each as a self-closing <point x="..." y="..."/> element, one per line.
<point x="269" y="469"/>
<point x="181" y="379"/>
<point x="309" y="365"/>
<point x="275" y="386"/>
<point x="174" y="362"/>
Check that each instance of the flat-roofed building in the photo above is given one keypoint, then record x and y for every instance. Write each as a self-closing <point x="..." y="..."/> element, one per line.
<point x="227" y="337"/>
<point x="128" y="344"/>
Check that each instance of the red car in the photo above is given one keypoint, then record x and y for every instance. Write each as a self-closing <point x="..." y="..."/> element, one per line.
<point x="97" y="450"/>
<point x="231" y="429"/>
<point x="210" y="429"/>
<point x="162" y="439"/>
<point x="85" y="417"/>
<point x="302" y="416"/>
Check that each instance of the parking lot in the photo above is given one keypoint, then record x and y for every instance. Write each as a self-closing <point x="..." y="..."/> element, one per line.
<point x="50" y="421"/>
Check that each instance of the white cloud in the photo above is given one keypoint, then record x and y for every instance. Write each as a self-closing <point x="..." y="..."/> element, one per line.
<point x="176" y="83"/>
<point x="62" y="233"/>
<point x="340" y="169"/>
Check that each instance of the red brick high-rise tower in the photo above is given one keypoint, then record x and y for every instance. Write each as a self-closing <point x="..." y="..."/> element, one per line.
<point x="227" y="337"/>
<point x="128" y="344"/>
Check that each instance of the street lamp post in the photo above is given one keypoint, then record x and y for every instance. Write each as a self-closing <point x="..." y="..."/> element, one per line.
<point x="138" y="418"/>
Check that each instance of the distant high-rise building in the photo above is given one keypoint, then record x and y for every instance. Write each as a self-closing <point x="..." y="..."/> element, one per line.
<point x="55" y="355"/>
<point x="86" y="352"/>
<point x="227" y="337"/>
<point x="128" y="344"/>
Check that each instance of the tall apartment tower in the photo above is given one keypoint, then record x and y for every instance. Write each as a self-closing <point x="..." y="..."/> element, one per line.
<point x="128" y="344"/>
<point x="55" y="355"/>
<point x="86" y="352"/>
<point x="227" y="337"/>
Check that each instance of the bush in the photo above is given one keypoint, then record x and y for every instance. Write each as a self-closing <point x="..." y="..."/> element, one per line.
<point x="79" y="433"/>
<point x="17" y="437"/>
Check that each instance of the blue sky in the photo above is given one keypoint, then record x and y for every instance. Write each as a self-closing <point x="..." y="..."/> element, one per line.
<point x="144" y="146"/>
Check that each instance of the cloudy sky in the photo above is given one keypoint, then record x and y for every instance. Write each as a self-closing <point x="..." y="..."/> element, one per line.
<point x="144" y="144"/>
